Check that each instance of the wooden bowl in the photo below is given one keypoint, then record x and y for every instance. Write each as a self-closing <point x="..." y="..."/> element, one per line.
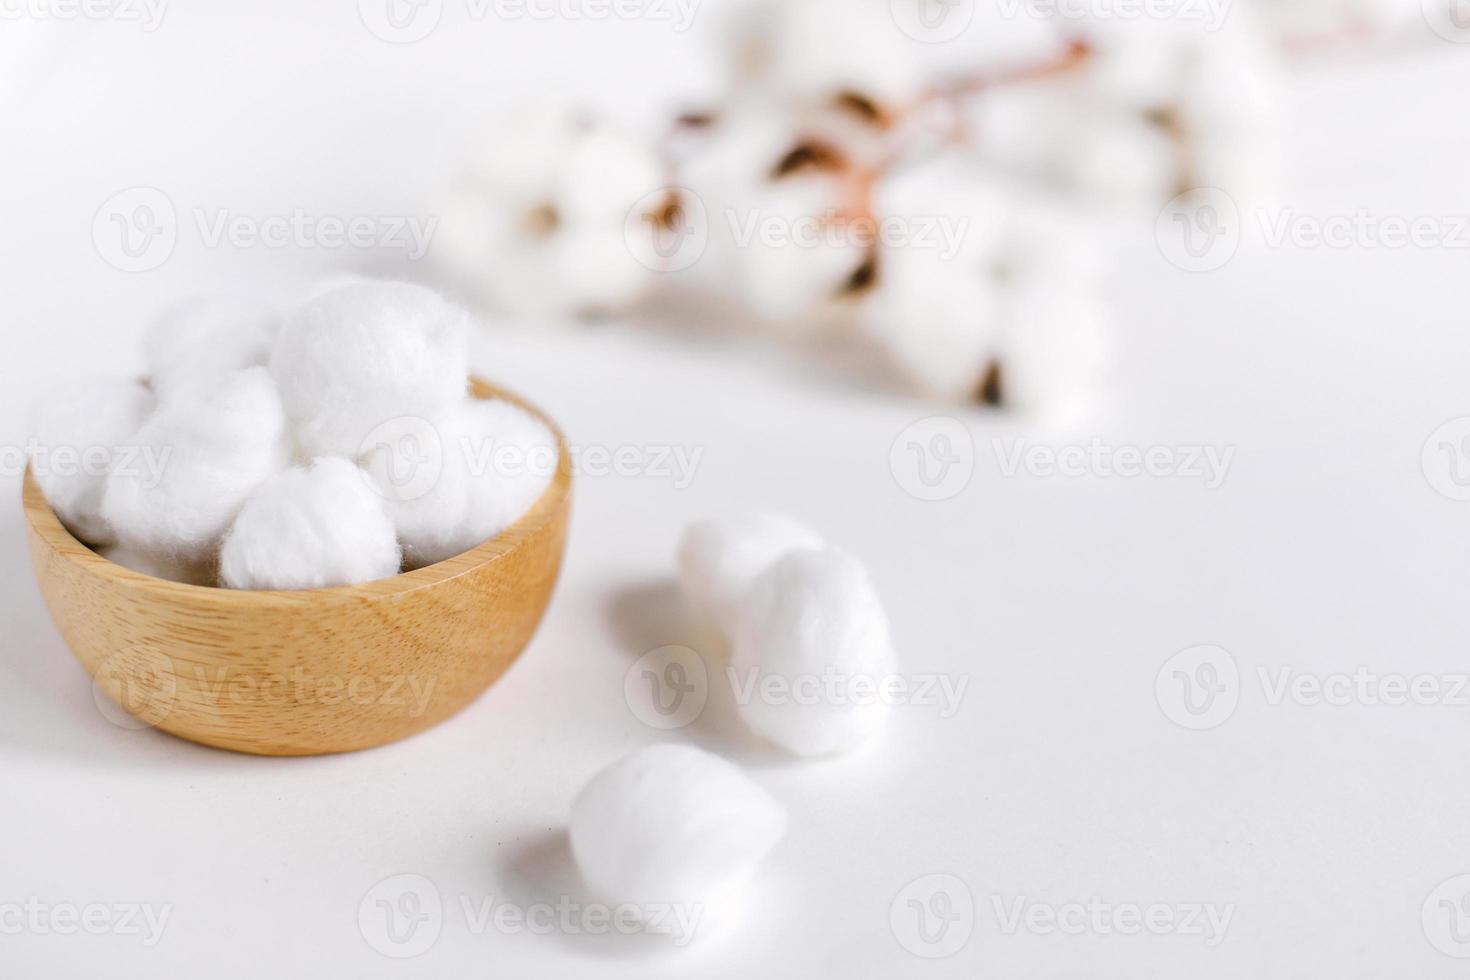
<point x="310" y="672"/>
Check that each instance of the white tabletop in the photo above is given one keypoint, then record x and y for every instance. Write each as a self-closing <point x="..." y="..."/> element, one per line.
<point x="1076" y="816"/>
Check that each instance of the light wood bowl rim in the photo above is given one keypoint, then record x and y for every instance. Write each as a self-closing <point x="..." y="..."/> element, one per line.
<point x="64" y="544"/>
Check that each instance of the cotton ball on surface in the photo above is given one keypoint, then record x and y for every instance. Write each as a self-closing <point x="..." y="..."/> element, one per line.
<point x="814" y="620"/>
<point x="191" y="347"/>
<point x="365" y="355"/>
<point x="720" y="559"/>
<point x="558" y="215"/>
<point x="155" y="566"/>
<point x="214" y="452"/>
<point x="78" y="430"/>
<point x="311" y="528"/>
<point x="672" y="824"/>
<point x="453" y="486"/>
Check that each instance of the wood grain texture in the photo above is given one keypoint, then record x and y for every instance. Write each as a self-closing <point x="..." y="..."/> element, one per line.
<point x="310" y="672"/>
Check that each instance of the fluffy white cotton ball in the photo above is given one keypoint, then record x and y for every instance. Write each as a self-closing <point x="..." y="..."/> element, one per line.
<point x="672" y="824"/>
<point x="450" y="487"/>
<point x="367" y="354"/>
<point x="155" y="566"/>
<point x="310" y="528"/>
<point x="192" y="346"/>
<point x="214" y="451"/>
<point x="81" y="433"/>
<point x="814" y="620"/>
<point x="555" y="216"/>
<point x="720" y="559"/>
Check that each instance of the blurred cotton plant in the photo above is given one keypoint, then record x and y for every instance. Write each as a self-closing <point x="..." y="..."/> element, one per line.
<point x="944" y="210"/>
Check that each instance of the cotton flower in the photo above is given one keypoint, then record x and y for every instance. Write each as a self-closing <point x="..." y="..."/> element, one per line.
<point x="367" y="355"/>
<point x="781" y="197"/>
<point x="80" y="432"/>
<point x="311" y="527"/>
<point x="814" y="622"/>
<point x="557" y="215"/>
<point x="676" y="833"/>
<point x="720" y="559"/>
<point x="215" y="451"/>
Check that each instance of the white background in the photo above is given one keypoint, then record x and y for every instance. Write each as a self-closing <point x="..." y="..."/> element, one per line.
<point x="1059" y="600"/>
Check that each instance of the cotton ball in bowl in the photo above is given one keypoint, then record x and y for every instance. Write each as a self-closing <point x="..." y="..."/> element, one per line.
<point x="453" y="486"/>
<point x="672" y="825"/>
<point x="309" y="528"/>
<point x="191" y="347"/>
<point x="814" y="621"/>
<point x="720" y="559"/>
<point x="155" y="566"/>
<point x="213" y="451"/>
<point x="79" y="432"/>
<point x="365" y="355"/>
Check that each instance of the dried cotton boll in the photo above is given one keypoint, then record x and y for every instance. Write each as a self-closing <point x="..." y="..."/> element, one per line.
<point x="674" y="825"/>
<point x="814" y="620"/>
<point x="367" y="354"/>
<point x="192" y="346"/>
<point x="780" y="202"/>
<point x="1058" y="355"/>
<point x="556" y="216"/>
<point x="215" y="451"/>
<point x="78" y="430"/>
<point x="450" y="487"/>
<point x="720" y="559"/>
<point x="311" y="528"/>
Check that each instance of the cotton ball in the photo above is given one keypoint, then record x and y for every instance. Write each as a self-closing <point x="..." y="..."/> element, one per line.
<point x="453" y="486"/>
<point x="311" y="528"/>
<point x="720" y="559"/>
<point x="191" y="347"/>
<point x="365" y="355"/>
<point x="155" y="566"/>
<point x="80" y="433"/>
<point x="674" y="825"/>
<point x="814" y="620"/>
<point x="214" y="452"/>
<point x="557" y="215"/>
